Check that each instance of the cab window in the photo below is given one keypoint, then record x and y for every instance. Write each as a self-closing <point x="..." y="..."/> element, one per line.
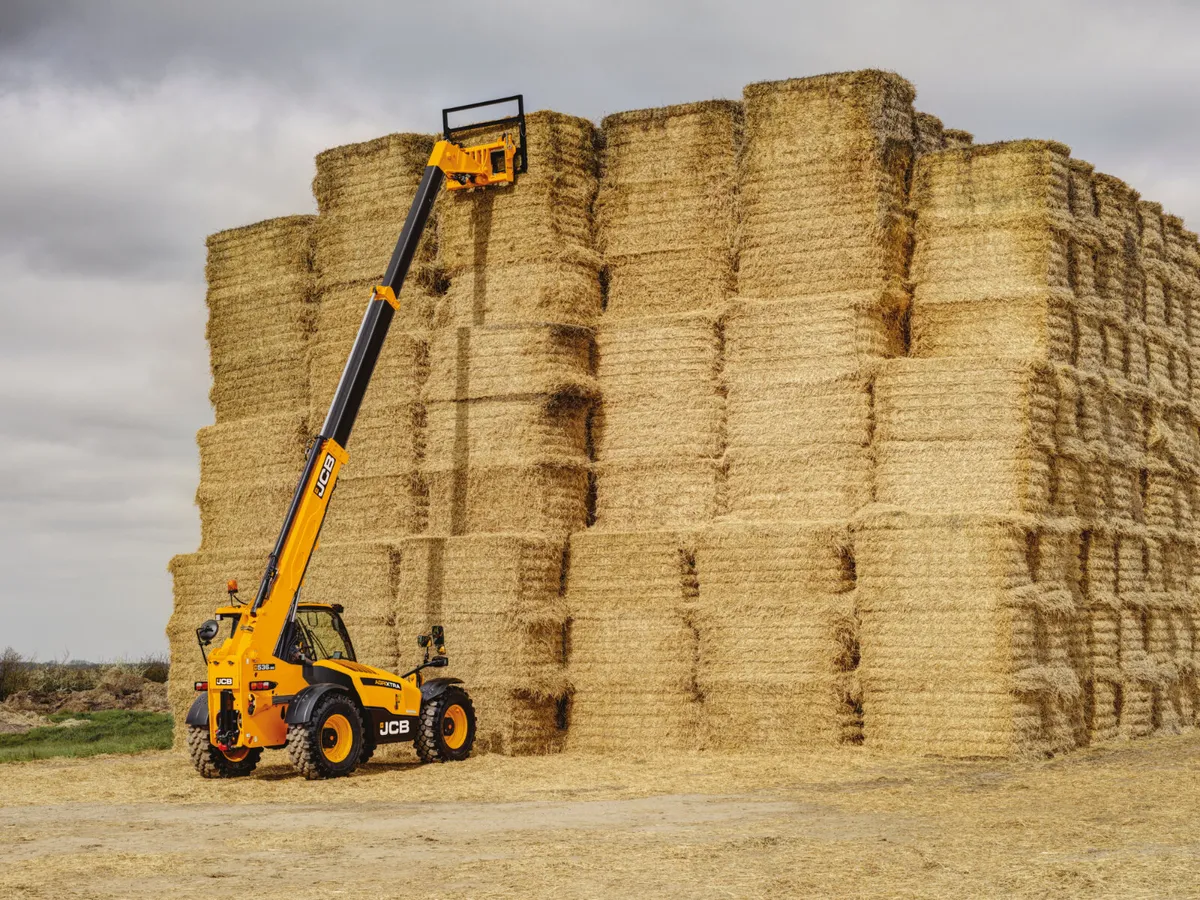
<point x="322" y="635"/>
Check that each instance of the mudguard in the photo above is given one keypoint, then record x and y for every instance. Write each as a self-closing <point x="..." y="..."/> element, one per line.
<point x="300" y="709"/>
<point x="435" y="687"/>
<point x="198" y="714"/>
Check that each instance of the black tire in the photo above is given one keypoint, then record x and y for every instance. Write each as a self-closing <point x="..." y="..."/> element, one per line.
<point x="212" y="762"/>
<point x="440" y="736"/>
<point x="330" y="743"/>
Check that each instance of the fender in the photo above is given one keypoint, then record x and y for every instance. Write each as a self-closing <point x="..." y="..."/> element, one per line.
<point x="434" y="688"/>
<point x="301" y="708"/>
<point x="198" y="714"/>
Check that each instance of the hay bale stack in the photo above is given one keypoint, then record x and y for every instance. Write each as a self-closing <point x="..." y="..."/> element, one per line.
<point x="823" y="256"/>
<point x="363" y="194"/>
<point x="525" y="254"/>
<point x="1050" y="409"/>
<point x="659" y="430"/>
<point x="632" y="642"/>
<point x="499" y="598"/>
<point x="259" y="316"/>
<point x="823" y="185"/>
<point x="665" y="213"/>
<point x="778" y="645"/>
<point x="966" y="435"/>
<point x="199" y="588"/>
<point x="969" y="640"/>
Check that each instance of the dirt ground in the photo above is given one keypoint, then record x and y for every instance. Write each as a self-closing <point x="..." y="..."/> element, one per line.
<point x="1121" y="822"/>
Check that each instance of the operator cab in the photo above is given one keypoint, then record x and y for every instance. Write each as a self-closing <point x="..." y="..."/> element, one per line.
<point x="319" y="633"/>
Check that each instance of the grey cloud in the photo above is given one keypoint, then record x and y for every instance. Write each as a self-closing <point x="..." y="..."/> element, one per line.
<point x="130" y="130"/>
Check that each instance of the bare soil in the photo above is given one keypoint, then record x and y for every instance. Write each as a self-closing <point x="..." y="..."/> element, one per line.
<point x="1119" y="822"/>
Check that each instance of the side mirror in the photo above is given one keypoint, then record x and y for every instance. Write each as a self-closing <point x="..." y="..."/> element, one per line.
<point x="439" y="662"/>
<point x="422" y="640"/>
<point x="208" y="631"/>
<point x="438" y="633"/>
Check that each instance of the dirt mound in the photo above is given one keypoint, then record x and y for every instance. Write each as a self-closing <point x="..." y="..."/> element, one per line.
<point x="117" y="689"/>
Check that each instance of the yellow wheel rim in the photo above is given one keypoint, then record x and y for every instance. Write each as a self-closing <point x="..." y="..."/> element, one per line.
<point x="337" y="738"/>
<point x="236" y="754"/>
<point x="454" y="726"/>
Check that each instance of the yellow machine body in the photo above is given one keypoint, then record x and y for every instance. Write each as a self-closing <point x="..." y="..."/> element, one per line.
<point x="271" y="683"/>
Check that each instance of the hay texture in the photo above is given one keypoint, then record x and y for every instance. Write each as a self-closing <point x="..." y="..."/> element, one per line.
<point x="778" y="637"/>
<point x="363" y="194"/>
<point x="632" y="646"/>
<point x="823" y="255"/>
<point x="666" y="211"/>
<point x="658" y="433"/>
<point x="526" y="254"/>
<point x="822" y="186"/>
<point x="499" y="598"/>
<point x="1040" y="442"/>
<point x="260" y="314"/>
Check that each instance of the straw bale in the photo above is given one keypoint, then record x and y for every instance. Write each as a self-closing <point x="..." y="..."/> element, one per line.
<point x="964" y="435"/>
<point x="373" y="507"/>
<point x="268" y="447"/>
<point x="243" y="513"/>
<point x="658" y="493"/>
<point x="966" y="638"/>
<point x="770" y="342"/>
<point x="992" y="266"/>
<point x="665" y="211"/>
<point x="400" y="372"/>
<point x="526" y="255"/>
<point x="469" y="363"/>
<point x="658" y="433"/>
<point x="820" y="481"/>
<point x="632" y="641"/>
<point x="364" y="576"/>
<point x="535" y="497"/>
<point x="778" y="641"/>
<point x="498" y="597"/>
<point x="363" y="194"/>
<point x="798" y="450"/>
<point x="199" y="588"/>
<point x="515" y="430"/>
<point x="822" y="191"/>
<point x="259" y="316"/>
<point x="956" y="138"/>
<point x="928" y="134"/>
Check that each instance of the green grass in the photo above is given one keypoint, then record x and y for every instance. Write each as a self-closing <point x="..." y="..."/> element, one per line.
<point x="108" y="731"/>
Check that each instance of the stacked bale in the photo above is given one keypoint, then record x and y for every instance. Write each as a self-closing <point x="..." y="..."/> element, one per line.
<point x="824" y="243"/>
<point x="821" y="300"/>
<point x="506" y="452"/>
<point x="259" y="322"/>
<point x="1048" y="365"/>
<point x="666" y="224"/>
<point x="363" y="194"/>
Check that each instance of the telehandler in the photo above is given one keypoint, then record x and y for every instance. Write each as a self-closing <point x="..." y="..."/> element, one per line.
<point x="285" y="674"/>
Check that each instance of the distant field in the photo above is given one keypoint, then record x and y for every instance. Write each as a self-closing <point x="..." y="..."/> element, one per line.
<point x="108" y="731"/>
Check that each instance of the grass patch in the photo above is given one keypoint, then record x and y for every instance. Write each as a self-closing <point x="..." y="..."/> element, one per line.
<point x="107" y="731"/>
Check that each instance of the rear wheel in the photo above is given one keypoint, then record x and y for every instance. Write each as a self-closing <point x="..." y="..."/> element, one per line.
<point x="330" y="743"/>
<point x="447" y="729"/>
<point x="213" y="762"/>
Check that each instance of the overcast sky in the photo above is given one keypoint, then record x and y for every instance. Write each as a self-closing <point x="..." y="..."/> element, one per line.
<point x="130" y="130"/>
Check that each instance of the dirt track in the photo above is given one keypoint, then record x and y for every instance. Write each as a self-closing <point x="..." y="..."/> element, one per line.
<point x="1115" y="823"/>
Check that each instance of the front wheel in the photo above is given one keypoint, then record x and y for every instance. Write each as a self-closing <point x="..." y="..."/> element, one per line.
<point x="213" y="762"/>
<point x="330" y="743"/>
<point x="447" y="729"/>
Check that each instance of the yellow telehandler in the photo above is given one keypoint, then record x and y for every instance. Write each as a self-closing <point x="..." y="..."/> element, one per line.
<point x="284" y="674"/>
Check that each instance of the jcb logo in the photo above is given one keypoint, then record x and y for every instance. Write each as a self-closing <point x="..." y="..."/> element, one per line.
<point x="224" y="682"/>
<point x="324" y="475"/>
<point x="396" y="726"/>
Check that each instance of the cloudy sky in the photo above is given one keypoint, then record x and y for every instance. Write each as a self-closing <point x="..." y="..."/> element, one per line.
<point x="129" y="130"/>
